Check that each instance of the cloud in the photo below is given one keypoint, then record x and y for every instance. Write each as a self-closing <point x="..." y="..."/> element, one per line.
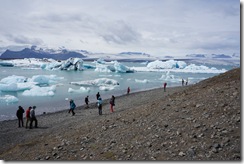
<point x="156" y="27"/>
<point x="120" y="33"/>
<point x="24" y="40"/>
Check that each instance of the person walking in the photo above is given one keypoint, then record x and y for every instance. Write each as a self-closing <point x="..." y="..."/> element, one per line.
<point x="98" y="95"/>
<point x="28" y="119"/>
<point x="33" y="117"/>
<point x="112" y="104"/>
<point x="72" y="107"/>
<point x="19" y="115"/>
<point x="87" y="101"/>
<point x="165" y="84"/>
<point x="182" y="82"/>
<point x="99" y="105"/>
<point x="186" y="81"/>
<point x="128" y="90"/>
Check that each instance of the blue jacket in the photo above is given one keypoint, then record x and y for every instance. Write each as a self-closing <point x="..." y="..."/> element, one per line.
<point x="72" y="105"/>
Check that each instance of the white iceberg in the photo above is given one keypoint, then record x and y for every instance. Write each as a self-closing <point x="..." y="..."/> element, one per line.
<point x="97" y="82"/>
<point x="14" y="87"/>
<point x="8" y="99"/>
<point x="106" y="88"/>
<point x="14" y="79"/>
<point x="40" y="91"/>
<point x="104" y="68"/>
<point x="122" y="68"/>
<point x="169" y="64"/>
<point x="141" y="81"/>
<point x="81" y="90"/>
<point x="45" y="79"/>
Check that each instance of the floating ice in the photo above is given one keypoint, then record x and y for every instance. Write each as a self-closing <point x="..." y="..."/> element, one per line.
<point x="40" y="91"/>
<point x="45" y="79"/>
<point x="106" y="88"/>
<point x="14" y="79"/>
<point x="122" y="68"/>
<point x="81" y="90"/>
<point x="104" y="68"/>
<point x="69" y="64"/>
<point x="8" y="99"/>
<point x="141" y="81"/>
<point x="97" y="82"/>
<point x="13" y="87"/>
<point x="170" y="64"/>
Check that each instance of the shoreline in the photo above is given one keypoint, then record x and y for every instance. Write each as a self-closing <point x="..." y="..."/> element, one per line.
<point x="92" y="103"/>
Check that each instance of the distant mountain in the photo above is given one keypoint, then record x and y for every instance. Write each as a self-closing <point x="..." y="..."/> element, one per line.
<point x="213" y="56"/>
<point x="197" y="55"/>
<point x="33" y="52"/>
<point x="220" y="56"/>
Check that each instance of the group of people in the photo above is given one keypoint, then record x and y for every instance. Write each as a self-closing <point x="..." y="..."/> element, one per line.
<point x="30" y="117"/>
<point x="99" y="103"/>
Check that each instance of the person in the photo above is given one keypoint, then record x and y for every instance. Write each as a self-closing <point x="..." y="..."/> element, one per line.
<point x="186" y="81"/>
<point x="19" y="115"/>
<point x="98" y="95"/>
<point x="87" y="101"/>
<point x="128" y="90"/>
<point x="165" y="84"/>
<point x="33" y="117"/>
<point x="112" y="104"/>
<point x="28" y="119"/>
<point x="182" y="82"/>
<point x="99" y="105"/>
<point x="72" y="107"/>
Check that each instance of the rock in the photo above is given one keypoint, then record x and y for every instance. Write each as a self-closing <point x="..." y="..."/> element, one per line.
<point x="182" y="154"/>
<point x="47" y="158"/>
<point x="191" y="152"/>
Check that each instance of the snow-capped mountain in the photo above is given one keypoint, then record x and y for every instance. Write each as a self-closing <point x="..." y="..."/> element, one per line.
<point x="34" y="52"/>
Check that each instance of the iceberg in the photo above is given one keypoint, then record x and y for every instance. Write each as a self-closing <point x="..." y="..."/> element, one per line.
<point x="122" y="68"/>
<point x="8" y="99"/>
<point x="81" y="90"/>
<point x="104" y="68"/>
<point x="106" y="88"/>
<point x="69" y="64"/>
<point x="169" y="64"/>
<point x="45" y="79"/>
<point x="97" y="82"/>
<point x="14" y="87"/>
<point x="141" y="81"/>
<point x="40" y="91"/>
<point x="14" y="79"/>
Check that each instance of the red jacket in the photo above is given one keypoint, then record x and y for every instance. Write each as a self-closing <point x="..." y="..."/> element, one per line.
<point x="28" y="113"/>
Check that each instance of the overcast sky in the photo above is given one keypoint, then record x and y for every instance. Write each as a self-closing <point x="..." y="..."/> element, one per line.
<point x="157" y="27"/>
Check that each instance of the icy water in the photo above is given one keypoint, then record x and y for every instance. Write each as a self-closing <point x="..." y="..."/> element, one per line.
<point x="57" y="102"/>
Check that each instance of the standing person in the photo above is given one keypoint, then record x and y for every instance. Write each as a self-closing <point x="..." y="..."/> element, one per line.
<point x="99" y="105"/>
<point x="186" y="81"/>
<point x="87" y="101"/>
<point x="28" y="119"/>
<point x="128" y="90"/>
<point x="33" y="117"/>
<point x="98" y="95"/>
<point x="112" y="104"/>
<point x="72" y="107"/>
<point x="19" y="115"/>
<point x="182" y="82"/>
<point x="165" y="84"/>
